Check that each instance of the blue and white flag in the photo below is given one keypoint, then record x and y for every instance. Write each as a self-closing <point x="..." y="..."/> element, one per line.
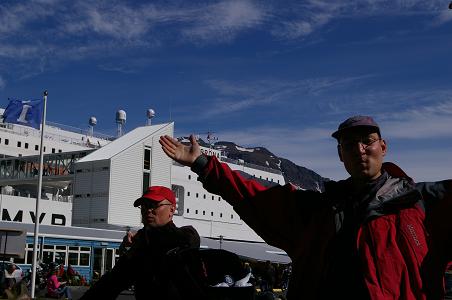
<point x="26" y="112"/>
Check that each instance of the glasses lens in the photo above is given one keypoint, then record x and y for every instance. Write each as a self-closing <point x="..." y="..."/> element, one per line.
<point x="149" y="206"/>
<point x="364" y="142"/>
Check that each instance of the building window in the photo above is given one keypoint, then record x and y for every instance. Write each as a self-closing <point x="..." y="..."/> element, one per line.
<point x="44" y="148"/>
<point x="197" y="195"/>
<point x="26" y="145"/>
<point x="219" y="198"/>
<point x="211" y="213"/>
<point x="147" y="159"/>
<point x="79" y="256"/>
<point x="203" y="212"/>
<point x="232" y="217"/>
<point x="204" y="196"/>
<point x="221" y="215"/>
<point x="59" y="150"/>
<point x="36" y="147"/>
<point x="29" y="253"/>
<point x="213" y="197"/>
<point x="188" y="194"/>
<point x="53" y="150"/>
<point x="189" y="177"/>
<point x="6" y="141"/>
<point x="188" y="210"/>
<point x="19" y="144"/>
<point x="146" y="178"/>
<point x="196" y="212"/>
<point x="54" y="253"/>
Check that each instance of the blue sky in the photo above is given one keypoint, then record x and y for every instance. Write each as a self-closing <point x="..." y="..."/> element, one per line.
<point x="279" y="74"/>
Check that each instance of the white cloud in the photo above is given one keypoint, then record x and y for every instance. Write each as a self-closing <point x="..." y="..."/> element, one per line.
<point x="443" y="17"/>
<point x="427" y="164"/>
<point x="309" y="16"/>
<point x="431" y="121"/>
<point x="237" y="96"/>
<point x="223" y="21"/>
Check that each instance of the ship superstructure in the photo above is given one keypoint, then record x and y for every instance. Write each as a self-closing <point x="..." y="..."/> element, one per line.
<point x="92" y="180"/>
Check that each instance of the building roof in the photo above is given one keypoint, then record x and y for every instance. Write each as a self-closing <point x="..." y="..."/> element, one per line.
<point x="124" y="142"/>
<point x="249" y="250"/>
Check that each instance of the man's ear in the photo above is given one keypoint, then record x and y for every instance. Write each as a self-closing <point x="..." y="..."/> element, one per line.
<point x="384" y="146"/>
<point x="339" y="153"/>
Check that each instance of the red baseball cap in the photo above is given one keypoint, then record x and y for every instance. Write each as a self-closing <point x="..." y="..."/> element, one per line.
<point x="156" y="193"/>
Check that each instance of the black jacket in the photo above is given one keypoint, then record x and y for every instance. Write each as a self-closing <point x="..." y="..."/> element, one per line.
<point x="146" y="265"/>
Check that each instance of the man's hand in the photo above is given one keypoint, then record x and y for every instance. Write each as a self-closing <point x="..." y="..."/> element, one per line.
<point x="184" y="155"/>
<point x="128" y="239"/>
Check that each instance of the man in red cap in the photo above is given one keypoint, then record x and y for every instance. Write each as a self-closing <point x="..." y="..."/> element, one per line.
<point x="375" y="235"/>
<point x="145" y="265"/>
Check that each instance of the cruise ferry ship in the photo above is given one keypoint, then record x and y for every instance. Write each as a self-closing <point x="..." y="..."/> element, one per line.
<point x="90" y="182"/>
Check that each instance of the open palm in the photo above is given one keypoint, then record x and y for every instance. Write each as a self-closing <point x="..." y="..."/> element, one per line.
<point x="183" y="154"/>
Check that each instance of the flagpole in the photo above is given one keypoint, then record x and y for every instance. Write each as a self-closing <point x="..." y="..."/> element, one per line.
<point x="38" y="199"/>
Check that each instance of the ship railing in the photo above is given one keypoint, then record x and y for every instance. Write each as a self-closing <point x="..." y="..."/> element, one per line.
<point x="250" y="165"/>
<point x="82" y="131"/>
<point x="242" y="163"/>
<point x="44" y="197"/>
<point x="85" y="142"/>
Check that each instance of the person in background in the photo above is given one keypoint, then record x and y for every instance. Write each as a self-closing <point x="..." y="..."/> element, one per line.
<point x="12" y="274"/>
<point x="374" y="235"/>
<point x="145" y="264"/>
<point x="55" y="288"/>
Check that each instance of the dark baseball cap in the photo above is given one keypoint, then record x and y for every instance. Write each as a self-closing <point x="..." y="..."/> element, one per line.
<point x="156" y="193"/>
<point x="356" y="121"/>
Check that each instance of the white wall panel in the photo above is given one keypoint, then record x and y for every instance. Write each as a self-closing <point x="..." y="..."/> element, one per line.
<point x="160" y="162"/>
<point x="126" y="185"/>
<point x="127" y="177"/>
<point x="22" y="209"/>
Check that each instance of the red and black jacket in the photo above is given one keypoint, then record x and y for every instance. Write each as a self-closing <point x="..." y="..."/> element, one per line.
<point x="402" y="242"/>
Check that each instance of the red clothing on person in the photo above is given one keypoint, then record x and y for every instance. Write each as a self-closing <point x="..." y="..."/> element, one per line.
<point x="52" y="285"/>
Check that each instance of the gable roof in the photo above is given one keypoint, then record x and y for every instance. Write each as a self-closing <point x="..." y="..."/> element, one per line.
<point x="122" y="143"/>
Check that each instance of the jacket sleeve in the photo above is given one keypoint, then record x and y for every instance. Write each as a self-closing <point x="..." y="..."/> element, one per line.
<point x="112" y="283"/>
<point x="437" y="198"/>
<point x="272" y="212"/>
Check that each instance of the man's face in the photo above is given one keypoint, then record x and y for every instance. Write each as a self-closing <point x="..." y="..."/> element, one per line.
<point x="156" y="214"/>
<point x="362" y="152"/>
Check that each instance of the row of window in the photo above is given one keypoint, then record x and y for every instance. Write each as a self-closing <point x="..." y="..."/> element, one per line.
<point x="26" y="146"/>
<point x="204" y="196"/>
<point x="204" y="213"/>
<point x="68" y="255"/>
